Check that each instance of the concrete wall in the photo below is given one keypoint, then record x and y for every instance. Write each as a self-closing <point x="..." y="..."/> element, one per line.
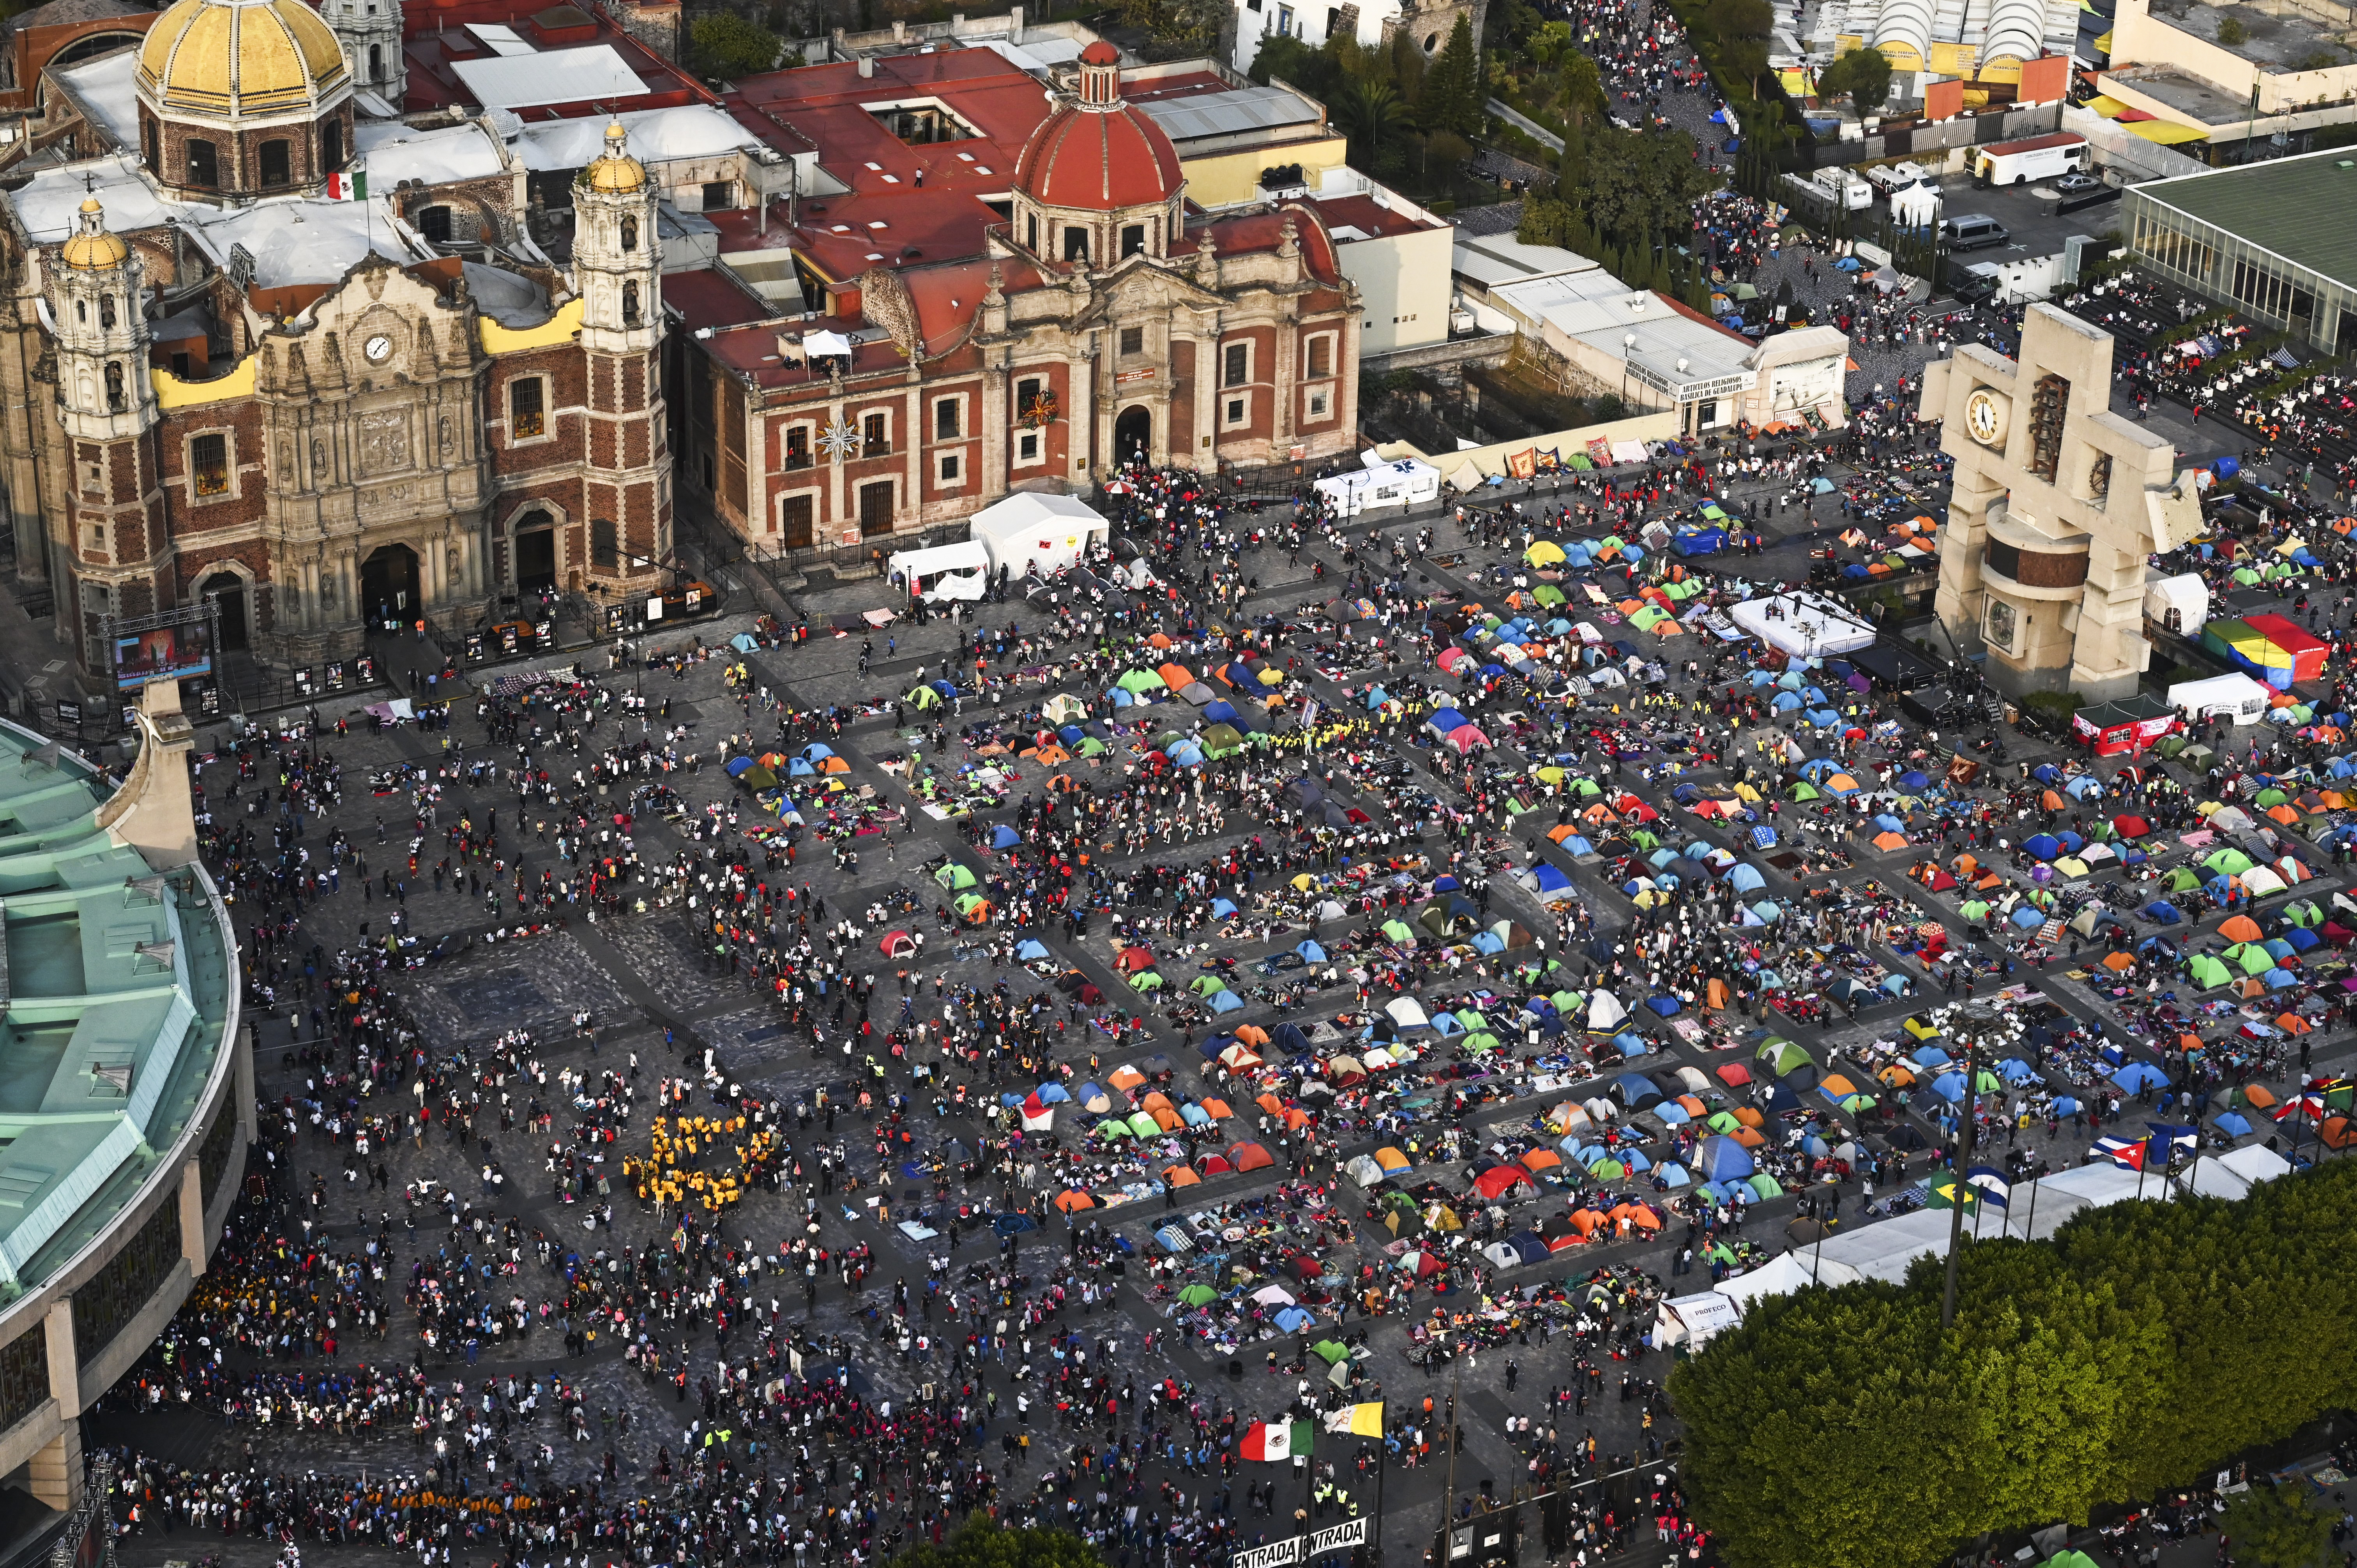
<point x="2139" y="38"/>
<point x="1405" y="285"/>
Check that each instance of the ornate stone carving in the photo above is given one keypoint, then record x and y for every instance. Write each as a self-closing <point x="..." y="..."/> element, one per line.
<point x="384" y="441"/>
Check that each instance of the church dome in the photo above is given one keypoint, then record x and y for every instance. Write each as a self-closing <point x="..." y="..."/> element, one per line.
<point x="1099" y="154"/>
<point x="91" y="246"/>
<point x="227" y="58"/>
<point x="615" y="169"/>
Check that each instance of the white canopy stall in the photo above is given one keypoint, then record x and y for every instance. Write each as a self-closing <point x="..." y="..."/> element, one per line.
<point x="1027" y="532"/>
<point x="1403" y="483"/>
<point x="2236" y="698"/>
<point x="943" y="572"/>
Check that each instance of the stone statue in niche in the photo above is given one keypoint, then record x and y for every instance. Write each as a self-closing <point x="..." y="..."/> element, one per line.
<point x="319" y="458"/>
<point x="442" y="433"/>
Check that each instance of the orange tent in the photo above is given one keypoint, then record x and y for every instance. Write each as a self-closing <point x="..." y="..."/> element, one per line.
<point x="2293" y="1023"/>
<point x="1561" y="831"/>
<point x="2119" y="960"/>
<point x="1749" y="1137"/>
<point x="1587" y="1221"/>
<point x="1540" y="1160"/>
<point x="1271" y="1103"/>
<point x="1160" y="639"/>
<point x="1751" y="1116"/>
<point x="1125" y="1077"/>
<point x="1889" y="841"/>
<point x="1251" y="1158"/>
<point x="1838" y="1088"/>
<point x="2241" y="928"/>
<point x="1158" y="1100"/>
<point x="1715" y="997"/>
<point x="1253" y="1035"/>
<point x="1180" y="1176"/>
<point x="2256" y="1094"/>
<point x="1176" y="677"/>
<point x="1073" y="1199"/>
<point x="1218" y="1109"/>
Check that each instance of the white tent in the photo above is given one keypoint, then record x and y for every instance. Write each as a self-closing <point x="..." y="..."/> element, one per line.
<point x="2179" y="604"/>
<point x="2236" y="697"/>
<point x="1026" y="530"/>
<point x="945" y="571"/>
<point x="1694" y="1320"/>
<point x="2233" y="1175"/>
<point x="1805" y="626"/>
<point x="1887" y="1250"/>
<point x="1604" y="1011"/>
<point x="1795" y="1270"/>
<point x="1403" y="483"/>
<point x="2039" y="1209"/>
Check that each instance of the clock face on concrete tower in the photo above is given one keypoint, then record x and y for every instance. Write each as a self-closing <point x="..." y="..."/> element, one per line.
<point x="1984" y="414"/>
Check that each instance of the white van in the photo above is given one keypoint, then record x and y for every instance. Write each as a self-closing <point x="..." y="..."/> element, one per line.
<point x="1892" y="178"/>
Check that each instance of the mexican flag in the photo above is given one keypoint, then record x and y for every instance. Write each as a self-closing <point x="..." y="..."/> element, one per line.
<point x="1276" y="1441"/>
<point x="348" y="186"/>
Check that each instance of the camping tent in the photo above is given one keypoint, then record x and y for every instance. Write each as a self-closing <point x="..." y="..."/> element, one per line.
<point x="1692" y="1320"/>
<point x="1028" y="530"/>
<point x="1794" y="1271"/>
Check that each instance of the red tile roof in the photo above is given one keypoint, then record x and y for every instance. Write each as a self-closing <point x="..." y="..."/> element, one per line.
<point x="709" y="296"/>
<point x="1098" y="159"/>
<point x="1370" y="217"/>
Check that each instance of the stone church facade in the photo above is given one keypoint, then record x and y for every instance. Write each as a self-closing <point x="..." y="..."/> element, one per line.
<point x="326" y="427"/>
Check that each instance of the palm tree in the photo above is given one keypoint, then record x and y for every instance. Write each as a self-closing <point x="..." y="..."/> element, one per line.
<point x="1370" y="111"/>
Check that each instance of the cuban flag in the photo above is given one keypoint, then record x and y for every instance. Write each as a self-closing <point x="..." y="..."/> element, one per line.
<point x="2122" y="1153"/>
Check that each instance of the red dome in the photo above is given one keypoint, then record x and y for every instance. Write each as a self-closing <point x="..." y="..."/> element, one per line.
<point x="1099" y="154"/>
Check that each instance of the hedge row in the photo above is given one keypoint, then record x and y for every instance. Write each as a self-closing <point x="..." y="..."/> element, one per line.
<point x="2139" y="1348"/>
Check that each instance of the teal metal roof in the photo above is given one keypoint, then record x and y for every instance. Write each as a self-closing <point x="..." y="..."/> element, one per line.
<point x="115" y="991"/>
<point x="2303" y="209"/>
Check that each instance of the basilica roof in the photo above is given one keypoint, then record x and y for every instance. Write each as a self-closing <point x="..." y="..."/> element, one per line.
<point x="1098" y="156"/>
<point x="229" y="58"/>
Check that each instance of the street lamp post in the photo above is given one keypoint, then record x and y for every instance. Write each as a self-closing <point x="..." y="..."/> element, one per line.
<point x="1973" y="1022"/>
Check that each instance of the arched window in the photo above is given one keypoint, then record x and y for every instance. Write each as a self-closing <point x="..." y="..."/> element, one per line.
<point x="376" y="62"/>
<point x="434" y="222"/>
<point x="631" y="303"/>
<point x="106" y="310"/>
<point x="81" y="310"/>
<point x="630" y="233"/>
<point x="204" y="163"/>
<point x="331" y="146"/>
<point x="114" y="385"/>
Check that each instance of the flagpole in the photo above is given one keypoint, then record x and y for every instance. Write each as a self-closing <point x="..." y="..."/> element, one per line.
<point x="1383" y="1468"/>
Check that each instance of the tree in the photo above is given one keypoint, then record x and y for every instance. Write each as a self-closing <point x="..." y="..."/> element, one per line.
<point x="1452" y="96"/>
<point x="1581" y="91"/>
<point x="2276" y="1529"/>
<point x="982" y="1544"/>
<point x="1370" y="112"/>
<point x="1641" y="188"/>
<point x="1863" y="73"/>
<point x="725" y="45"/>
<point x="1283" y="57"/>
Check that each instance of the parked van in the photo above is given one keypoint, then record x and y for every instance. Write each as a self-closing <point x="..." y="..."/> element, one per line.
<point x="2033" y="158"/>
<point x="1892" y="178"/>
<point x="1972" y="231"/>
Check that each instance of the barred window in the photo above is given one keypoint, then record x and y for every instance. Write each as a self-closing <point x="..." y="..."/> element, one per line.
<point x="208" y="456"/>
<point x="24" y="1375"/>
<point x="213" y="1154"/>
<point x="527" y="408"/>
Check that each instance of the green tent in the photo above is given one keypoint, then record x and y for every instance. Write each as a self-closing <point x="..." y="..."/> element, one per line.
<point x="969" y="902"/>
<point x="2227" y="862"/>
<point x="1221" y="739"/>
<point x="1205" y="984"/>
<point x="1090" y="747"/>
<point x="1783" y="1055"/>
<point x="1112" y="1127"/>
<point x="2181" y="880"/>
<point x="1764" y="1185"/>
<point x="1397" y="931"/>
<point x="922" y="696"/>
<point x="2206" y="971"/>
<point x="1804" y="791"/>
<point x="1138" y="681"/>
<point x="758" y="779"/>
<point x="1197" y="1295"/>
<point x="954" y="877"/>
<point x="2250" y="958"/>
<point x="1480" y="1042"/>
<point x="1607" y="1169"/>
<point x="1975" y="910"/>
<point x="1146" y="979"/>
<point x="1724" y="1122"/>
<point x="1143" y="1124"/>
<point x="2271" y="797"/>
<point x="1331" y="1352"/>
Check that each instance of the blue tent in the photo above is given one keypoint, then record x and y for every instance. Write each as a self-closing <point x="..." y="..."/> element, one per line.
<point x="1004" y="836"/>
<point x="1719" y="1158"/>
<point x="2042" y="846"/>
<point x="818" y="751"/>
<point x="1226" y="1002"/>
<point x="2027" y="918"/>
<point x="1032" y="949"/>
<point x="1053" y="1094"/>
<point x="1222" y="908"/>
<point x="1911" y="779"/>
<point x="739" y="766"/>
<point x="1950" y="1087"/>
<point x="1376" y="698"/>
<point x="1310" y="950"/>
<point x="2162" y="912"/>
<point x="1574" y="845"/>
<point x="1667" y="1006"/>
<point x="1550" y="878"/>
<point x="1220" y="712"/>
<point x="1635" y="1089"/>
<point x="2231" y="1122"/>
<point x="2137" y="1076"/>
<point x="1447" y="719"/>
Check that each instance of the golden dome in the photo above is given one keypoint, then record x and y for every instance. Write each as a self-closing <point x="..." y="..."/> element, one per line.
<point x="616" y="169"/>
<point x="241" y="57"/>
<point x="91" y="246"/>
